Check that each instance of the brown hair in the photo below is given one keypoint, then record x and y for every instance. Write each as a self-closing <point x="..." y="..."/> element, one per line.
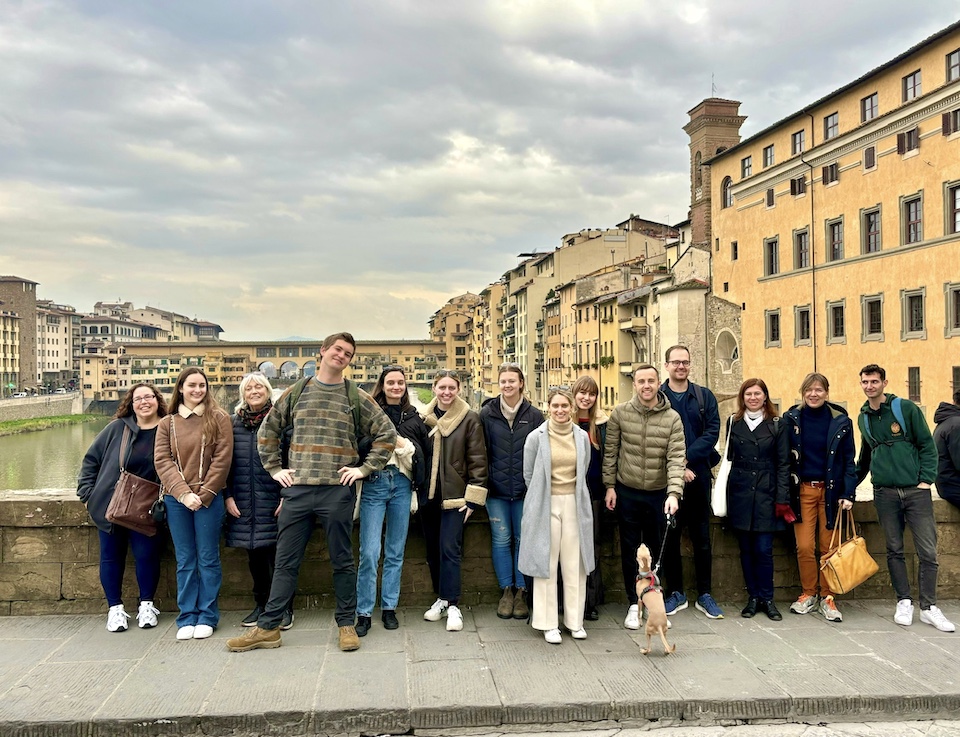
<point x="125" y="408"/>
<point x="331" y="339"/>
<point x="210" y="428"/>
<point x="769" y="410"/>
<point x="444" y="374"/>
<point x="671" y="349"/>
<point x="587" y="385"/>
<point x="378" y="394"/>
<point x="645" y="367"/>
<point x="514" y="368"/>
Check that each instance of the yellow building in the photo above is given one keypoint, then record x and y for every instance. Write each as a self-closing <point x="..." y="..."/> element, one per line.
<point x="9" y="351"/>
<point x="835" y="232"/>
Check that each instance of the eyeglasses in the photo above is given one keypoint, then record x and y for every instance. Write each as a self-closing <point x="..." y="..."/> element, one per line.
<point x="146" y="398"/>
<point x="679" y="363"/>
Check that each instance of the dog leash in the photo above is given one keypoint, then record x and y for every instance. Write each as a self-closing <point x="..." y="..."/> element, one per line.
<point x="671" y="523"/>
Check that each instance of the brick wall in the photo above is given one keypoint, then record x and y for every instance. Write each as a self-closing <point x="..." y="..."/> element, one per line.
<point x="49" y="563"/>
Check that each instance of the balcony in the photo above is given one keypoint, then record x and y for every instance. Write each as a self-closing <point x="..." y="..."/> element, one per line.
<point x="636" y="325"/>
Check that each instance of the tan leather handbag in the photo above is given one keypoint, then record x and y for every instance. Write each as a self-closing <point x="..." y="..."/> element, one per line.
<point x="848" y="563"/>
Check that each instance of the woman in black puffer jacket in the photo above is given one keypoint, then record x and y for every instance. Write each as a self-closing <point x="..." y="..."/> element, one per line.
<point x="252" y="496"/>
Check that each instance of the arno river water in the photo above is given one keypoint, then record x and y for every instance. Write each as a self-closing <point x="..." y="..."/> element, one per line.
<point x="45" y="460"/>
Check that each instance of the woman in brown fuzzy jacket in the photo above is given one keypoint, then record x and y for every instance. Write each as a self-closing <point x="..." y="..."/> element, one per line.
<point x="192" y="456"/>
<point x="457" y="486"/>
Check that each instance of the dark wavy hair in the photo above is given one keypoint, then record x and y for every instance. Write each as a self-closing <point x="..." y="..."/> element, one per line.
<point x="125" y="408"/>
<point x="380" y="397"/>
<point x="210" y="428"/>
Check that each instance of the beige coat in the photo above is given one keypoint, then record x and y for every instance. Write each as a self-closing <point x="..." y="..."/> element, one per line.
<point x="645" y="448"/>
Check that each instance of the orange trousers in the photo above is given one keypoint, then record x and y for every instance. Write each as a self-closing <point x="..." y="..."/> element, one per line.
<point x="813" y="514"/>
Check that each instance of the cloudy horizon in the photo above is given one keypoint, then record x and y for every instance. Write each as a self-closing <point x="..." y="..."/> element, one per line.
<point x="297" y="168"/>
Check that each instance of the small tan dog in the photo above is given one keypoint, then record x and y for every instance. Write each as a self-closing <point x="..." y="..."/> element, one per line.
<point x="650" y="596"/>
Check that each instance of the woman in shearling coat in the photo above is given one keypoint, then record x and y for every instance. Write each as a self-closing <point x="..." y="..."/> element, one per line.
<point x="557" y="519"/>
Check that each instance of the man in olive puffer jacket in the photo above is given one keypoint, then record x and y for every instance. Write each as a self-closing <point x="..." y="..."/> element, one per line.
<point x="643" y="464"/>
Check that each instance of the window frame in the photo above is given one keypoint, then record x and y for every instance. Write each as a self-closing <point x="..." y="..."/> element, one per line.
<point x="865" y="232"/>
<point x="835" y="307"/>
<point x="906" y="201"/>
<point x="909" y="298"/>
<point x="771" y="256"/>
<point x="914" y="384"/>
<point x="953" y="66"/>
<point x="866" y="335"/>
<point x="798" y="186"/>
<point x="951" y="207"/>
<point x="873" y="154"/>
<point x="911" y="86"/>
<point x="831" y="125"/>
<point x="798" y="141"/>
<point x="770" y="198"/>
<point x="798" y="312"/>
<point x="801" y="256"/>
<point x="772" y="329"/>
<point x="869" y="107"/>
<point x="746" y="167"/>
<point x="726" y="193"/>
<point x="831" y="244"/>
<point x="951" y="300"/>
<point x="734" y="250"/>
<point x="908" y="141"/>
<point x="830" y="174"/>
<point x="769" y="156"/>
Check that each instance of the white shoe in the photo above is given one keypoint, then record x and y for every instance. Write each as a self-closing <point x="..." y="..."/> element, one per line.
<point x="185" y="632"/>
<point x="454" y="619"/>
<point x="553" y="637"/>
<point x="904" y="614"/>
<point x="632" y="621"/>
<point x="580" y="634"/>
<point x="935" y="617"/>
<point x="147" y="615"/>
<point x="117" y="619"/>
<point x="436" y="611"/>
<point x="202" y="631"/>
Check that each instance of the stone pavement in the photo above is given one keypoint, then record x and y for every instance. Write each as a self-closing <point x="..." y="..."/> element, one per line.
<point x="66" y="675"/>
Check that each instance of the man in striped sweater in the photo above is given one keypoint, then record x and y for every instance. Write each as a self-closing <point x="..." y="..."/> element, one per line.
<point x="319" y="484"/>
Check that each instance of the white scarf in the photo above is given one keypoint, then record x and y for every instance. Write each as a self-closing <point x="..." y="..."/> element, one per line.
<point x="753" y="419"/>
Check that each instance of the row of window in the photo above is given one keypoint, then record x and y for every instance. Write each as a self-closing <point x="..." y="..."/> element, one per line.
<point x="913" y="318"/>
<point x="911" y="88"/>
<point x="871" y="236"/>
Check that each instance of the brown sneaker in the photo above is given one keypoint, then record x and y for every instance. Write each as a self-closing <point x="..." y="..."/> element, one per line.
<point x="348" y="638"/>
<point x="253" y="639"/>
<point x="520" y="608"/>
<point x="505" y="607"/>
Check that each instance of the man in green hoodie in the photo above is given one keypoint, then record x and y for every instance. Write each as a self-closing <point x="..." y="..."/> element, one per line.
<point x="898" y="450"/>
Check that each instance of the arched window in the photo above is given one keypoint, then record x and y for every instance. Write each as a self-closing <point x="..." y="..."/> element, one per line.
<point x="726" y="193"/>
<point x="727" y="351"/>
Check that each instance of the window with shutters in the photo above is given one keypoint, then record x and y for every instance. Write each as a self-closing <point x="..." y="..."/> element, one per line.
<point x="770" y="197"/>
<point x="801" y="249"/>
<point x="797" y="142"/>
<point x="908" y="141"/>
<point x="872" y="317"/>
<point x="911" y="86"/>
<point x="869" y="158"/>
<point x="913" y="318"/>
<point x="831" y="173"/>
<point x="911" y="219"/>
<point x="870" y="230"/>
<point x="831" y="126"/>
<point x="869" y="107"/>
<point x="798" y="185"/>
<point x="951" y="122"/>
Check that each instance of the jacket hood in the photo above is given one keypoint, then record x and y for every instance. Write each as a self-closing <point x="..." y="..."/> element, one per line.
<point x="945" y="411"/>
<point x="451" y="419"/>
<point x="835" y="410"/>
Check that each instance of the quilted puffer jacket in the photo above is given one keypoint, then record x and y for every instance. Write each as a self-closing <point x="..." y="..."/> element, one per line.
<point x="645" y="447"/>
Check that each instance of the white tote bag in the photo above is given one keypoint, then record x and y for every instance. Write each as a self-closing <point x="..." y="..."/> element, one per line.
<point x="718" y="498"/>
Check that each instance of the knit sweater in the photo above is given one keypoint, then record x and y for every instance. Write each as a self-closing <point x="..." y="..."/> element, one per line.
<point x="563" y="458"/>
<point x="324" y="439"/>
<point x="187" y="461"/>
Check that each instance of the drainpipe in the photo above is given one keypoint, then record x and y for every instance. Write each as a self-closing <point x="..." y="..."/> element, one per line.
<point x="813" y="251"/>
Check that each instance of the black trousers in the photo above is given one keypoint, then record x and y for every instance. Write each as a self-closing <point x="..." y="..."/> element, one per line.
<point x="260" y="561"/>
<point x="641" y="519"/>
<point x="694" y="514"/>
<point x="302" y="507"/>
<point x="443" y="536"/>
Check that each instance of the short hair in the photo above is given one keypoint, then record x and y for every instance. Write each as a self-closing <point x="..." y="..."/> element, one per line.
<point x="253" y="378"/>
<point x="331" y="339"/>
<point x="644" y="367"/>
<point x="560" y="393"/>
<point x="814" y="378"/>
<point x="872" y="368"/>
<point x="671" y="349"/>
<point x="125" y="408"/>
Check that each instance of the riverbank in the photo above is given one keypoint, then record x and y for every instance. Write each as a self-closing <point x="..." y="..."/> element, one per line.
<point x="15" y="427"/>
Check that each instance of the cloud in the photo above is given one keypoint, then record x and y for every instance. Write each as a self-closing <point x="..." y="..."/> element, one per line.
<point x="291" y="168"/>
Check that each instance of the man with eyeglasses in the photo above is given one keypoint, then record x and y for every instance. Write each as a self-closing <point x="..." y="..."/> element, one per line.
<point x="697" y="407"/>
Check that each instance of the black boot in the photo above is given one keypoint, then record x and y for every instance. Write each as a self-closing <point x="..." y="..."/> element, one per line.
<point x="753" y="603"/>
<point x="390" y="621"/>
<point x="251" y="619"/>
<point x="363" y="626"/>
<point x="771" y="609"/>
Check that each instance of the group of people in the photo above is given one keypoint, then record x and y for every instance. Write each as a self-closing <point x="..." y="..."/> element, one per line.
<point x="328" y="452"/>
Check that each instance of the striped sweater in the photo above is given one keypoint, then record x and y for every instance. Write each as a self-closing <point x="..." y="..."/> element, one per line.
<point x="323" y="434"/>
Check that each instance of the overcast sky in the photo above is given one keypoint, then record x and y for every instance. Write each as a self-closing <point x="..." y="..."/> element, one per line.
<point x="297" y="168"/>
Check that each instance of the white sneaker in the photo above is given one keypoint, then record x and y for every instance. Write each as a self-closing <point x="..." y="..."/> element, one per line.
<point x="436" y="611"/>
<point x="632" y="621"/>
<point x="202" y="631"/>
<point x="904" y="614"/>
<point x="117" y="619"/>
<point x="580" y="634"/>
<point x="553" y="637"/>
<point x="147" y="615"/>
<point x="454" y="619"/>
<point x="935" y="617"/>
<point x="185" y="632"/>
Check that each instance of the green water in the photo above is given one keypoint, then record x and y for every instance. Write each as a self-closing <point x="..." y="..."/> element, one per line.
<point x="45" y="460"/>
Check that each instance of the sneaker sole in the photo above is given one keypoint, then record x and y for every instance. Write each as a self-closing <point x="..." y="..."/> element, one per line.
<point x="248" y="624"/>
<point x="934" y="625"/>
<point x="147" y="626"/>
<point x="706" y="613"/>
<point x="678" y="609"/>
<point x="268" y="645"/>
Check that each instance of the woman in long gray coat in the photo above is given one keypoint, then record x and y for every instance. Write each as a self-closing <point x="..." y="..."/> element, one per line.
<point x="557" y="519"/>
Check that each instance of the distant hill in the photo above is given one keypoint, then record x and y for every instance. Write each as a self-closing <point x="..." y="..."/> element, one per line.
<point x="299" y="339"/>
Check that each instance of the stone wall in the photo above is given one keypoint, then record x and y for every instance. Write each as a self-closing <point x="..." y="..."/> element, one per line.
<point x="49" y="563"/>
<point x="48" y="405"/>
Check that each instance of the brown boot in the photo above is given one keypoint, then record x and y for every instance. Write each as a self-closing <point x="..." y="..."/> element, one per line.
<point x="348" y="638"/>
<point x="520" y="608"/>
<point x="253" y="639"/>
<point x="505" y="607"/>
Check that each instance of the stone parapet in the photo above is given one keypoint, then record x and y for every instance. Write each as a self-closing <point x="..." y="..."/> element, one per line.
<point x="49" y="563"/>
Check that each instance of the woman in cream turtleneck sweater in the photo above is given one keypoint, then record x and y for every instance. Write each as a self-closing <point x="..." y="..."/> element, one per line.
<point x="557" y="519"/>
<point x="758" y="490"/>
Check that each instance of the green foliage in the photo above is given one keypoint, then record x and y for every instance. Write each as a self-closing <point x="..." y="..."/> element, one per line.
<point x="13" y="427"/>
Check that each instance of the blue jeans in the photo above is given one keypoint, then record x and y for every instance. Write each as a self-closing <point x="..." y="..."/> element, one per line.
<point x="385" y="495"/>
<point x="913" y="508"/>
<point x="196" y="538"/>
<point x="505" y="516"/>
